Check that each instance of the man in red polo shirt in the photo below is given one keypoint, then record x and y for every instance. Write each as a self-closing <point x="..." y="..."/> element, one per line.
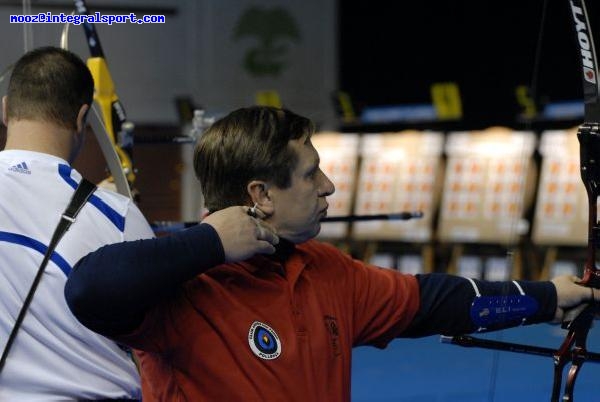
<point x="275" y="327"/>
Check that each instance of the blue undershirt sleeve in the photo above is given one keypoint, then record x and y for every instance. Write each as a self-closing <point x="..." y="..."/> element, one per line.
<point x="446" y="302"/>
<point x="110" y="290"/>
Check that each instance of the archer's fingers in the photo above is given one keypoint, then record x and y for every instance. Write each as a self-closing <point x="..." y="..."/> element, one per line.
<point x="570" y="314"/>
<point x="264" y="247"/>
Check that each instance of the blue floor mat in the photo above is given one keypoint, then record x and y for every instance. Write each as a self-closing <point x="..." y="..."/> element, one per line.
<point x="426" y="370"/>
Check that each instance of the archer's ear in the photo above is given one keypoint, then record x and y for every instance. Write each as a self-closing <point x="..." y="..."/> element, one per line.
<point x="258" y="191"/>
<point x="82" y="117"/>
<point x="4" y="107"/>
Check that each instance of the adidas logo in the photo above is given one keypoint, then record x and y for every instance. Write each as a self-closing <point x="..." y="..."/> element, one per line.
<point x="20" y="168"/>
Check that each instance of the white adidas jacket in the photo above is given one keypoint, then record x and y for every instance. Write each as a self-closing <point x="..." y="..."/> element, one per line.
<point x="54" y="357"/>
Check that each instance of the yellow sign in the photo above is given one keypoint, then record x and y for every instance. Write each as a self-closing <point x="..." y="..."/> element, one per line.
<point x="446" y="100"/>
<point x="268" y="98"/>
<point x="525" y="101"/>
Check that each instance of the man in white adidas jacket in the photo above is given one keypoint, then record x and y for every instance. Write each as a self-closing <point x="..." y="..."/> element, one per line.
<point x="53" y="356"/>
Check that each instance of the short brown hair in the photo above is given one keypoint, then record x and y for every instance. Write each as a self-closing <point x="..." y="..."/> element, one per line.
<point x="247" y="144"/>
<point x="49" y="84"/>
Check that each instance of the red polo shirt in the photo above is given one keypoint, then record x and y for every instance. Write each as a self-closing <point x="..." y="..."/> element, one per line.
<point x="266" y="331"/>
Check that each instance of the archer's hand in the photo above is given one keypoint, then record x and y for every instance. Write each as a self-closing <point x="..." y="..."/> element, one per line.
<point x="242" y="236"/>
<point x="569" y="296"/>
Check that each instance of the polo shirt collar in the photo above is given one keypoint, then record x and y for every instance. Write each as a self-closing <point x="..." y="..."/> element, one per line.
<point x="286" y="260"/>
<point x="21" y="153"/>
<point x="283" y="250"/>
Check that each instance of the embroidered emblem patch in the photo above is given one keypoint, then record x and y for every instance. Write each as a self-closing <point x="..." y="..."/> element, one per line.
<point x="263" y="341"/>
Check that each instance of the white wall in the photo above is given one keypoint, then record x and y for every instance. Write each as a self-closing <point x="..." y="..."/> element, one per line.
<point x="194" y="54"/>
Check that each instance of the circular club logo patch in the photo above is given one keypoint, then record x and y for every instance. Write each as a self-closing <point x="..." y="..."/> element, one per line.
<point x="263" y="341"/>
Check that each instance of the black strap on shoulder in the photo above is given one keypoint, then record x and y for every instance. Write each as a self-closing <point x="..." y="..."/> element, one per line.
<point x="80" y="197"/>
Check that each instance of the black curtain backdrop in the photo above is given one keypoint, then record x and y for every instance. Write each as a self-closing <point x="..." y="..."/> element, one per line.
<point x="392" y="51"/>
